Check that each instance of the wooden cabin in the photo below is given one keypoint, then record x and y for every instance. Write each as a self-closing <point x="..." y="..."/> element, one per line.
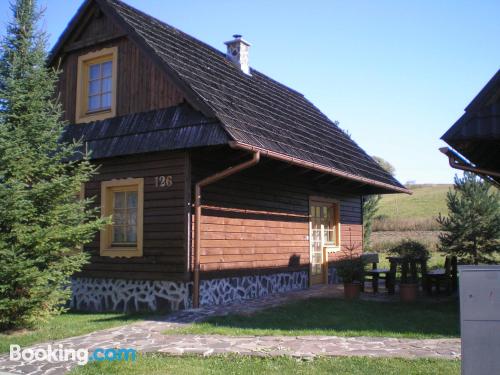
<point x="222" y="183"/>
<point x="475" y="137"/>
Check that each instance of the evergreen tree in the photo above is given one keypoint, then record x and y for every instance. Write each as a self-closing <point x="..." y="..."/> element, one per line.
<point x="370" y="203"/>
<point x="472" y="227"/>
<point x="43" y="223"/>
<point x="370" y="208"/>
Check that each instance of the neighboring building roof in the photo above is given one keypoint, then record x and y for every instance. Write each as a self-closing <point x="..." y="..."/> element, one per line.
<point x="254" y="110"/>
<point x="476" y="135"/>
<point x="172" y="128"/>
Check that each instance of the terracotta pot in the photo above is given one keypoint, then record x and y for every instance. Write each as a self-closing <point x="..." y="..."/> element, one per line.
<point x="352" y="290"/>
<point x="408" y="292"/>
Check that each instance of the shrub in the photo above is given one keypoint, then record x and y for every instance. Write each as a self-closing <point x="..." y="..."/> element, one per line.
<point x="351" y="267"/>
<point x="410" y="249"/>
<point x="350" y="270"/>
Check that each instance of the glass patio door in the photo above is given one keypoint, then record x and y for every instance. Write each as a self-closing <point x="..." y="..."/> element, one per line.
<point x="322" y="232"/>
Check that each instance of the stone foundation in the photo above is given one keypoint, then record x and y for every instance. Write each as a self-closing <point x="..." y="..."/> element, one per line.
<point x="138" y="295"/>
<point x="333" y="277"/>
<point x="231" y="289"/>
<point x="129" y="295"/>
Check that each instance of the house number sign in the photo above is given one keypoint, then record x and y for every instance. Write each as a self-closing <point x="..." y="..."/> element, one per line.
<point x="163" y="181"/>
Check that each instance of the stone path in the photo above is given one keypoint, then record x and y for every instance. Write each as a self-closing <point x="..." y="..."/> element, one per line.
<point x="312" y="346"/>
<point x="147" y="336"/>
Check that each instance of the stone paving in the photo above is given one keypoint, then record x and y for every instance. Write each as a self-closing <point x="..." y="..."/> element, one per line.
<point x="147" y="336"/>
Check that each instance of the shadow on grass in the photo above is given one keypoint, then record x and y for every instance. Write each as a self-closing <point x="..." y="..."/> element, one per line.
<point x="111" y="317"/>
<point x="339" y="317"/>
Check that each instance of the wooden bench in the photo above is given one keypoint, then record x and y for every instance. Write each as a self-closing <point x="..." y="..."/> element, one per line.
<point x="374" y="274"/>
<point x="446" y="277"/>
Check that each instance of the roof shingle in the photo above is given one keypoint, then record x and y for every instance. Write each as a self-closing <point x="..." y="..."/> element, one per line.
<point x="254" y="109"/>
<point x="172" y="128"/>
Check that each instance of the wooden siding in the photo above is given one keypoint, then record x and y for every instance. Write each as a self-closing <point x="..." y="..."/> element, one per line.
<point x="271" y="236"/>
<point x="165" y="211"/>
<point x="141" y="86"/>
<point x="234" y="242"/>
<point x="248" y="242"/>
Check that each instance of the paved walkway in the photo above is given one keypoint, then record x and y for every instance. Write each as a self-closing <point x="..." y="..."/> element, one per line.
<point x="147" y="336"/>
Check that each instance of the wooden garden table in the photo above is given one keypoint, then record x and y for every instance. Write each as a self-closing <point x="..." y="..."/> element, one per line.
<point x="408" y="267"/>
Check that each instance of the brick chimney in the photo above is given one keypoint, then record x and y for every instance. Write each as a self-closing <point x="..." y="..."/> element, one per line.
<point x="237" y="52"/>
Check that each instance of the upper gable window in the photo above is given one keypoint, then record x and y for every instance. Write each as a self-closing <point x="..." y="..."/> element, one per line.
<point x="99" y="84"/>
<point x="96" y="88"/>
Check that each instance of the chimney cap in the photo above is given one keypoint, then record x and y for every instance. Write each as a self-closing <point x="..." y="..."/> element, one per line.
<point x="238" y="38"/>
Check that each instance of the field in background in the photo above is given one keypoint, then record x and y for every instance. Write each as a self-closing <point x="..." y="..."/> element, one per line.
<point x="426" y="200"/>
<point x="381" y="241"/>
<point x="402" y="216"/>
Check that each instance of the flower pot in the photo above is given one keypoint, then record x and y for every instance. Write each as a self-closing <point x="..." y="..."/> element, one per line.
<point x="408" y="292"/>
<point x="352" y="290"/>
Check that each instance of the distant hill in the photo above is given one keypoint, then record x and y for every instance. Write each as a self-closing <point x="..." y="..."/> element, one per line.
<point x="402" y="216"/>
<point x="402" y="212"/>
<point x="427" y="201"/>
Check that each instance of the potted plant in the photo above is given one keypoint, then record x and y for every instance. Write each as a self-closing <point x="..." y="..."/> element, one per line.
<point x="351" y="271"/>
<point x="411" y="252"/>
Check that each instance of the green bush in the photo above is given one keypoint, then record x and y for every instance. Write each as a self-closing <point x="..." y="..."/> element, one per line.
<point x="350" y="269"/>
<point x="410" y="249"/>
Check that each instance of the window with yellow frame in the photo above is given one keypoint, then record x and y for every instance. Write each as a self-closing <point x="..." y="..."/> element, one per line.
<point x="123" y="200"/>
<point x="96" y="85"/>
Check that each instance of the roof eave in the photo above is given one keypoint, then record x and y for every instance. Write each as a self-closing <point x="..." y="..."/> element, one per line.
<point x="319" y="167"/>
<point x="457" y="161"/>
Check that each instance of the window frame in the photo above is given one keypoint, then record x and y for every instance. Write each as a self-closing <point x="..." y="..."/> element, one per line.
<point x="106" y="242"/>
<point x="84" y="62"/>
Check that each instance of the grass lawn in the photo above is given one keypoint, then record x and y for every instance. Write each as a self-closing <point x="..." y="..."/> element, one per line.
<point x="65" y="325"/>
<point x="157" y="364"/>
<point x="338" y="317"/>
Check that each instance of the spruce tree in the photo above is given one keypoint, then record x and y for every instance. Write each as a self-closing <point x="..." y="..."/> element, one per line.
<point x="472" y="227"/>
<point x="43" y="223"/>
<point x="370" y="203"/>
<point x="370" y="208"/>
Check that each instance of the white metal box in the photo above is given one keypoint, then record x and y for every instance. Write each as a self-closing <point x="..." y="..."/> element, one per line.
<point x="480" y="319"/>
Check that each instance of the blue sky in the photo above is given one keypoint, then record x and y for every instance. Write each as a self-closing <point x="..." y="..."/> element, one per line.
<point x="395" y="74"/>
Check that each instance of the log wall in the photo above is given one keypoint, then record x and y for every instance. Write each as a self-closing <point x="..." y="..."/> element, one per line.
<point x="235" y="242"/>
<point x="165" y="215"/>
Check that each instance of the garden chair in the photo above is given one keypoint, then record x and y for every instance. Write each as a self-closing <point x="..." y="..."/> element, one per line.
<point x="374" y="274"/>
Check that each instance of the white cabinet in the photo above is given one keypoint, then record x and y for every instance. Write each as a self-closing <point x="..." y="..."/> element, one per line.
<point x="480" y="319"/>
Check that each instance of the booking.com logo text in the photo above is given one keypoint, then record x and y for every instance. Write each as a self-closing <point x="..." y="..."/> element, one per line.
<point x="80" y="356"/>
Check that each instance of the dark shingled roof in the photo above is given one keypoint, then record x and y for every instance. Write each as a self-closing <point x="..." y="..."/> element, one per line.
<point x="476" y="135"/>
<point x="254" y="110"/>
<point x="172" y="128"/>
